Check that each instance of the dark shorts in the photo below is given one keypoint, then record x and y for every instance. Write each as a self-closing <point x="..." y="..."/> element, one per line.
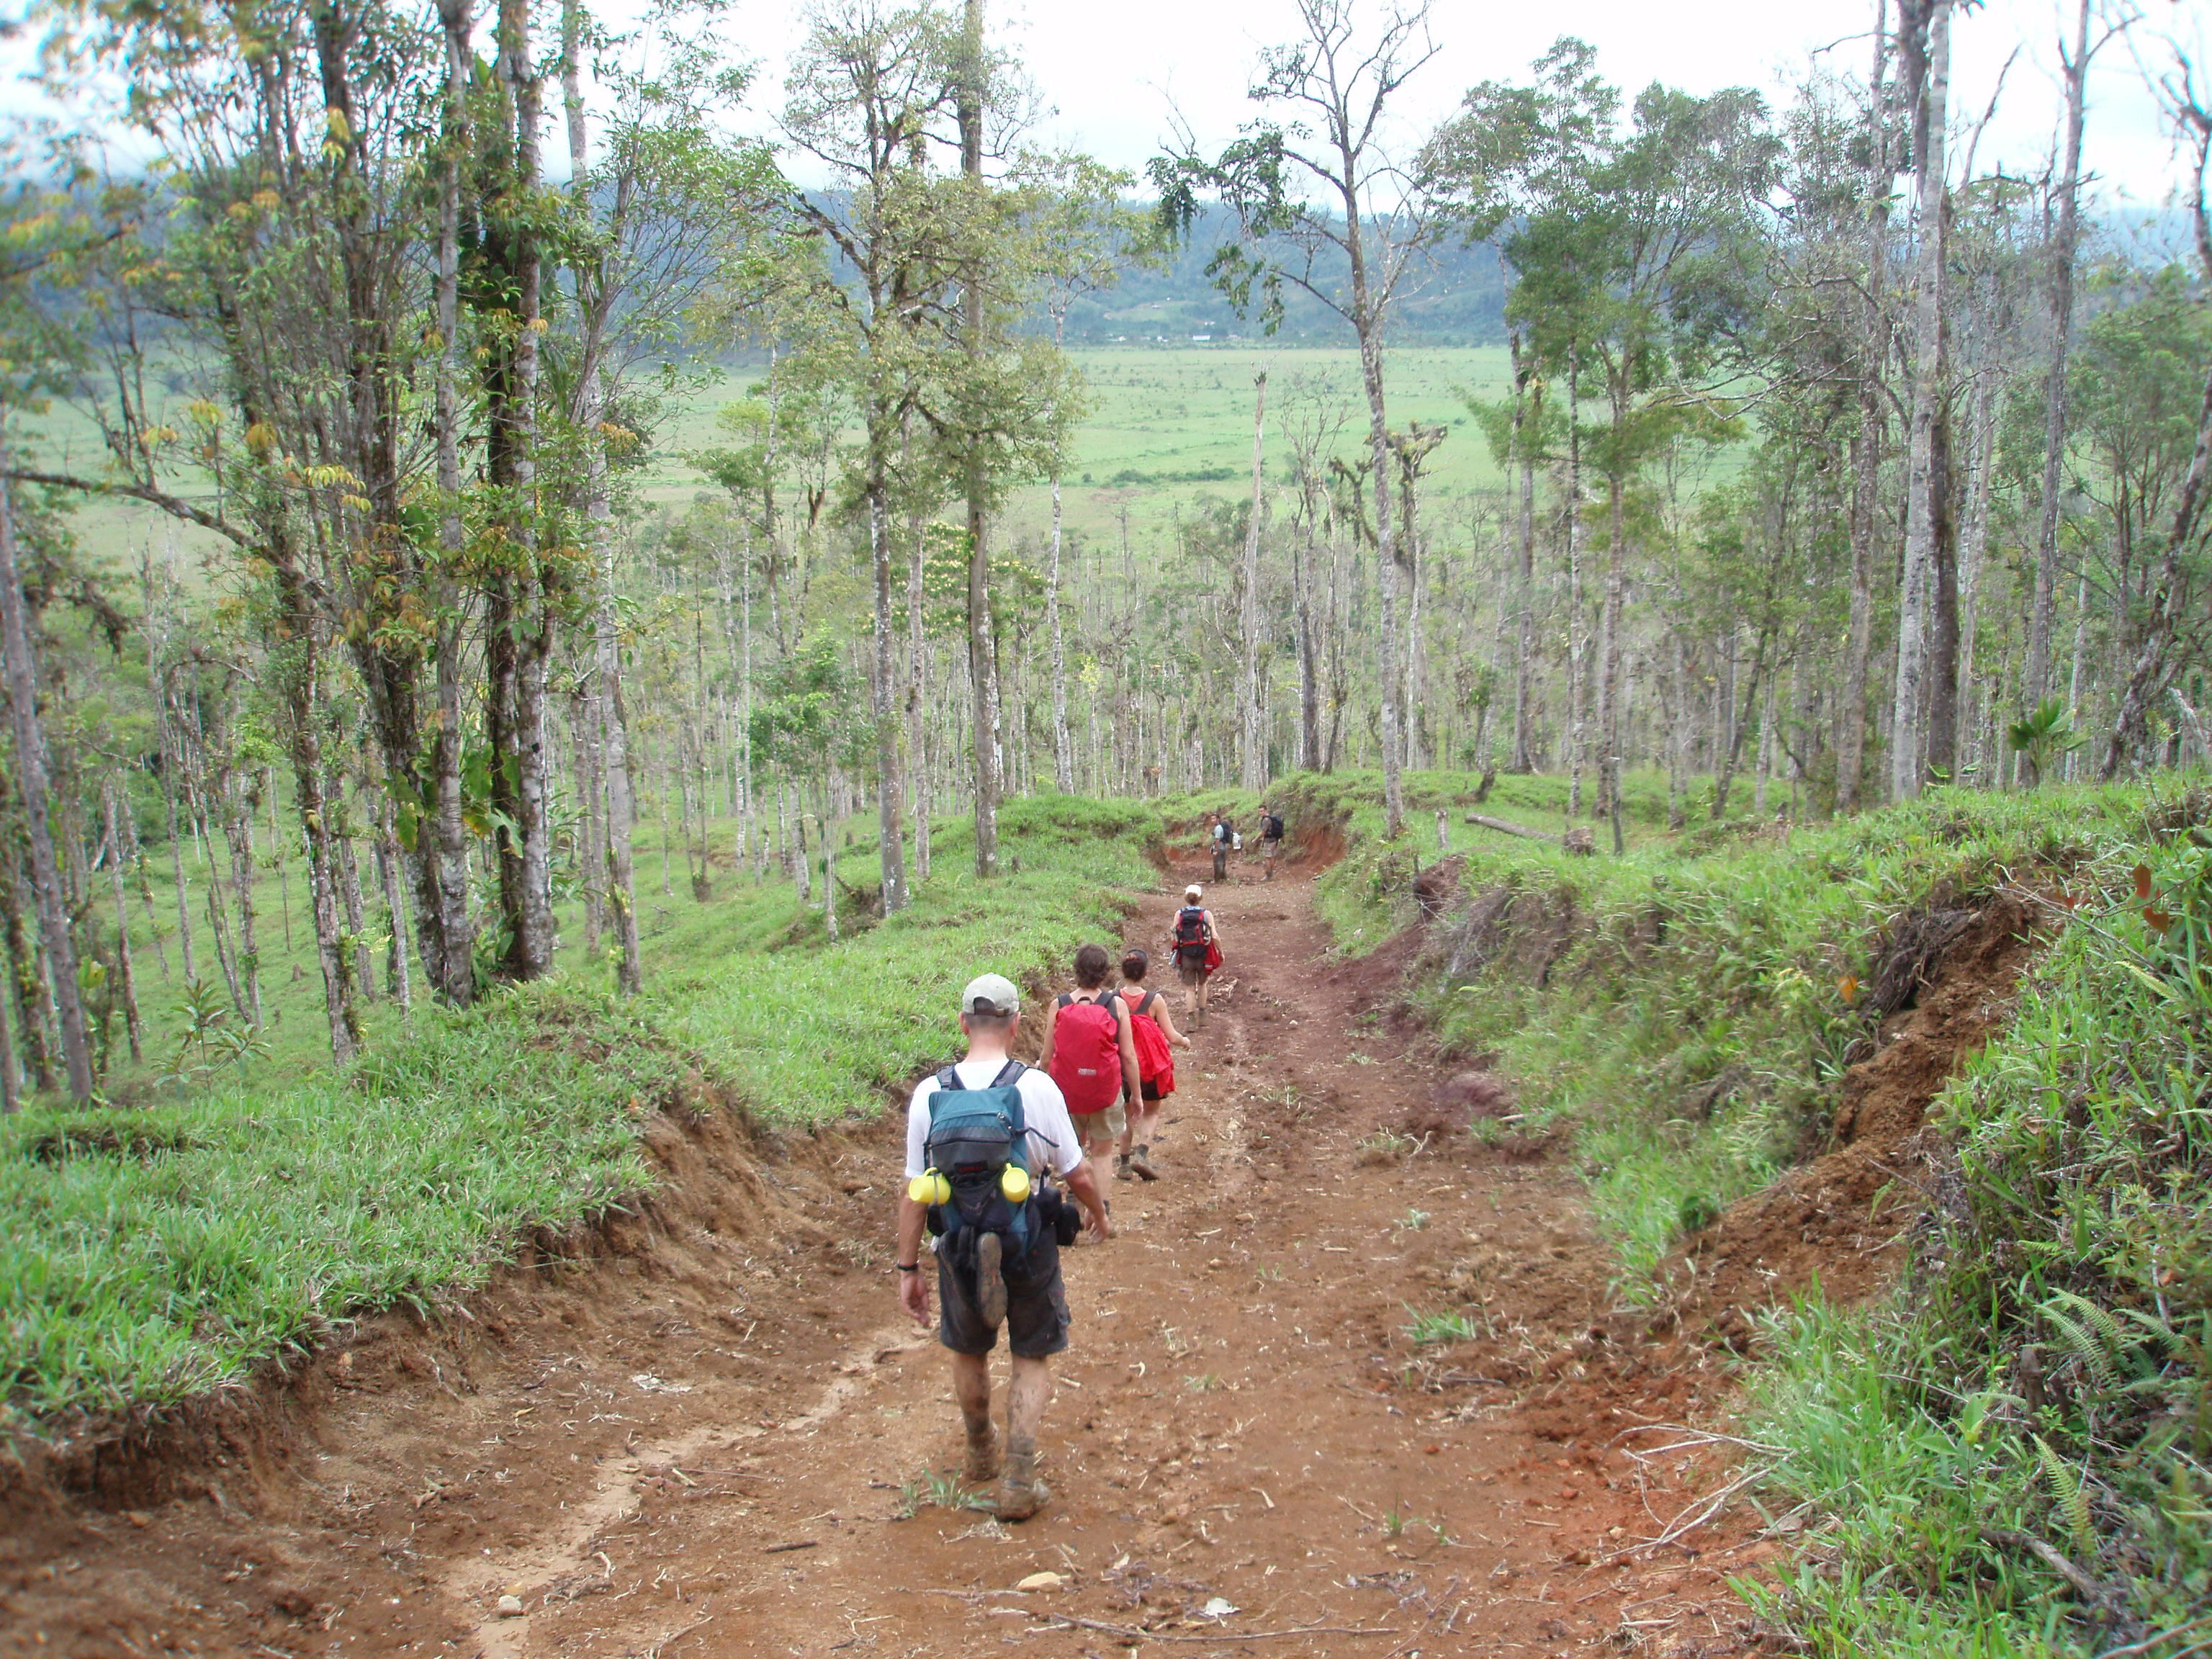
<point x="1150" y="1092"/>
<point x="1191" y="969"/>
<point x="1037" y="1306"/>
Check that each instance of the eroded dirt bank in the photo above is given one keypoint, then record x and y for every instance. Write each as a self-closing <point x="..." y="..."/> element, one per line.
<point x="711" y="1431"/>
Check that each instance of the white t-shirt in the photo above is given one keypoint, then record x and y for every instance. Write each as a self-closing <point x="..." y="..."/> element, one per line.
<point x="1044" y="1111"/>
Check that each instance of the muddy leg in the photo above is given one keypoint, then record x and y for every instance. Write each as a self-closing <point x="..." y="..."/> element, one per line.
<point x="971" y="1387"/>
<point x="1021" y="1494"/>
<point x="1137" y="1143"/>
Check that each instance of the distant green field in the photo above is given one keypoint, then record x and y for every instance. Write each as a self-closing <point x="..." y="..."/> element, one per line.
<point x="1169" y="424"/>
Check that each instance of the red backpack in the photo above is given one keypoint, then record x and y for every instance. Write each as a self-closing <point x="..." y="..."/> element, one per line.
<point x="1191" y="936"/>
<point x="1155" y="1060"/>
<point x="1086" y="1055"/>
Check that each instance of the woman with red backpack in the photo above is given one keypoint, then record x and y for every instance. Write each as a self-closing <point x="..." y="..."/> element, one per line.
<point x="1153" y="1029"/>
<point x="1196" y="941"/>
<point x="1090" y="1052"/>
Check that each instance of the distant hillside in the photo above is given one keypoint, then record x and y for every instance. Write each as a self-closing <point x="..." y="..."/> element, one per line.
<point x="1454" y="298"/>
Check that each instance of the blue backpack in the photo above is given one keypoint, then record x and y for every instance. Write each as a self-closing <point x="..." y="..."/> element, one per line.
<point x="974" y="1134"/>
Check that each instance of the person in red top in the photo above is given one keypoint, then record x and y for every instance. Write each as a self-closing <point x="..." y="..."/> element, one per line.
<point x="1090" y="1052"/>
<point x="1153" y="1029"/>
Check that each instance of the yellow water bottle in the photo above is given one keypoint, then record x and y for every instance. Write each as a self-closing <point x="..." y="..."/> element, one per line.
<point x="1014" y="1182"/>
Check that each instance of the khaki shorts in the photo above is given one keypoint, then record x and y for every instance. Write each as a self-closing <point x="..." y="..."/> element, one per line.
<point x="1110" y="1125"/>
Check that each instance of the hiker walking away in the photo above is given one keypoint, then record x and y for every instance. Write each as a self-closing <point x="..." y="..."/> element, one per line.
<point x="979" y="1136"/>
<point x="1224" y="841"/>
<point x="1197" y="941"/>
<point x="1271" y="841"/>
<point x="1090" y="1051"/>
<point x="1153" y="1028"/>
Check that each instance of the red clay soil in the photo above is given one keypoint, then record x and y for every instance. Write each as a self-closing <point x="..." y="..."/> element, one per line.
<point x="706" y="1429"/>
<point x="1844" y="1219"/>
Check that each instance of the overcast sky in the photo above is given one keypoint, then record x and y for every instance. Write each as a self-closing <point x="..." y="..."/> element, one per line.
<point x="1114" y="70"/>
<point x="1115" y="73"/>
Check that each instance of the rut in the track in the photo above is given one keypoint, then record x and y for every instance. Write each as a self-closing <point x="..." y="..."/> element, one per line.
<point x="1243" y="1421"/>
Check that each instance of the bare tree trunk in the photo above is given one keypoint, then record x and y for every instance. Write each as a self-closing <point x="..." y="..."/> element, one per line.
<point x="303" y="711"/>
<point x="388" y="872"/>
<point x="1577" y="610"/>
<point x="890" y="786"/>
<point x="1974" y="546"/>
<point x="445" y="929"/>
<point x="2035" y="674"/>
<point x="128" y="980"/>
<point x="348" y="861"/>
<point x="1310" y="745"/>
<point x="531" y="950"/>
<point x="982" y="646"/>
<point x="917" y="691"/>
<point x="1252" y="743"/>
<point x="614" y="756"/>
<point x="240" y="832"/>
<point x="1679" y="749"/>
<point x="1063" y="746"/>
<point x="1921" y="502"/>
<point x="1609" y="642"/>
<point x="1524" y="585"/>
<point x="31" y="784"/>
<point x="1943" y="642"/>
<point x="1866" y="444"/>
<point x="172" y="766"/>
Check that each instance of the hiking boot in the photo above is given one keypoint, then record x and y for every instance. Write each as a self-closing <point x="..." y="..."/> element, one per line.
<point x="982" y="1466"/>
<point x="991" y="1280"/>
<point x="1021" y="1494"/>
<point x="1141" y="1162"/>
<point x="1121" y="1167"/>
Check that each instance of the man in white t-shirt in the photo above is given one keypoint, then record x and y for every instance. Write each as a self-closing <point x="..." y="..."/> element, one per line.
<point x="1034" y="1302"/>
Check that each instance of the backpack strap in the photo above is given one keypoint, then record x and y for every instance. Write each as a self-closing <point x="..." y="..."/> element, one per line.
<point x="948" y="1078"/>
<point x="1009" y="1074"/>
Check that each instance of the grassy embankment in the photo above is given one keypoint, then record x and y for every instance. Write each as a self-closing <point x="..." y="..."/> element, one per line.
<point x="2008" y="1455"/>
<point x="150" y="1254"/>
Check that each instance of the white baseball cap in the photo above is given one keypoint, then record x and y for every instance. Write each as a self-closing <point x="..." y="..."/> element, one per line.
<point x="1192" y="891"/>
<point x="992" y="993"/>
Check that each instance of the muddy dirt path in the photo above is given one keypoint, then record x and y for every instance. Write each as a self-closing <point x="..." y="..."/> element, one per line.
<point x="726" y="1441"/>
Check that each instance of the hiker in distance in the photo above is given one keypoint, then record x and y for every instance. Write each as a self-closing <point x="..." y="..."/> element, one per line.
<point x="984" y="1138"/>
<point x="1090" y="1050"/>
<point x="1224" y="836"/>
<point x="1196" y="940"/>
<point x="1153" y="1028"/>
<point x="1271" y="840"/>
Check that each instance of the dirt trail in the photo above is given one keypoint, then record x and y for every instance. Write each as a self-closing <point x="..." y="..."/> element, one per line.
<point x="720" y="1442"/>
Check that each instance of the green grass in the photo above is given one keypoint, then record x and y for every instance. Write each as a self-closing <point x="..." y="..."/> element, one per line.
<point x="2042" y="1374"/>
<point x="2047" y="1375"/>
<point x="148" y="1255"/>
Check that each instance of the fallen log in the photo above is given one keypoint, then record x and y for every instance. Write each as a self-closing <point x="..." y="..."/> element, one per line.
<point x="1506" y="828"/>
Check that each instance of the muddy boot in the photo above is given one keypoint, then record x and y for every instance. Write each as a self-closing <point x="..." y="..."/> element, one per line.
<point x="982" y="1466"/>
<point x="991" y="1280"/>
<point x="1021" y="1494"/>
<point x="1121" y="1166"/>
<point x="1141" y="1162"/>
